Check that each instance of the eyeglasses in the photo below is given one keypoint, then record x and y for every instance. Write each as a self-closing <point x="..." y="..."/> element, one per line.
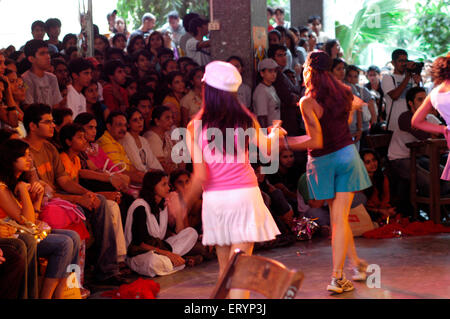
<point x="48" y="122"/>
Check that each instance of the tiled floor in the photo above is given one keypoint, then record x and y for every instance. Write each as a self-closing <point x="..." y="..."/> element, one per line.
<point x="410" y="267"/>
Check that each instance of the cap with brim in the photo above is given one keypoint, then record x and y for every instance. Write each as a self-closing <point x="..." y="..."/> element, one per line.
<point x="267" y="64"/>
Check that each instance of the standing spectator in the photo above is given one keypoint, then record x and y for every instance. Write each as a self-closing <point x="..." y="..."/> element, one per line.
<point x="373" y="74"/>
<point x="81" y="72"/>
<point x="38" y="30"/>
<point x="316" y="26"/>
<point x="312" y="41"/>
<point x="395" y="87"/>
<point x="121" y="27"/>
<point x="111" y="18"/>
<point x="266" y="103"/>
<point x="287" y="92"/>
<point x="146" y="28"/>
<point x="175" y="28"/>
<point x="183" y="40"/>
<point x="270" y="15"/>
<point x="197" y="48"/>
<point x="279" y="18"/>
<point x="244" y="91"/>
<point x="42" y="85"/>
<point x="53" y="29"/>
<point x="368" y="111"/>
<point x="333" y="48"/>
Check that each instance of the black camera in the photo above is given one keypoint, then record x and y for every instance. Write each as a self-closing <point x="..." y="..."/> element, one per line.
<point x="416" y="67"/>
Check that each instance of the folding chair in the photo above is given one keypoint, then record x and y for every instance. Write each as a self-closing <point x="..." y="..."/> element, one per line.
<point x="259" y="274"/>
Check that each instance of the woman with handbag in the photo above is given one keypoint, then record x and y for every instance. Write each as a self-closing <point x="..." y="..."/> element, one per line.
<point x="21" y="202"/>
<point x="334" y="169"/>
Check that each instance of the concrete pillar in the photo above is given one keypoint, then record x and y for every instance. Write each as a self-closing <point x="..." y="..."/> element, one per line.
<point x="242" y="24"/>
<point x="301" y="10"/>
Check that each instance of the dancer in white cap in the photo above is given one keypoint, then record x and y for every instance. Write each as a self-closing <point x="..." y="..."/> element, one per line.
<point x="234" y="214"/>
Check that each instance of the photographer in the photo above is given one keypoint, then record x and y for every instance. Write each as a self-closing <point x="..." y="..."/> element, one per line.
<point x="406" y="75"/>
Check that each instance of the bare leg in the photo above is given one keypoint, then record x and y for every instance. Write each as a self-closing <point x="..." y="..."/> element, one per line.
<point x="48" y="287"/>
<point x="247" y="248"/>
<point x="60" y="289"/>
<point x="341" y="233"/>
<point x="223" y="254"/>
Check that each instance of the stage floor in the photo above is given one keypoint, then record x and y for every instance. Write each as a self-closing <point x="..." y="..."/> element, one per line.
<point x="410" y="268"/>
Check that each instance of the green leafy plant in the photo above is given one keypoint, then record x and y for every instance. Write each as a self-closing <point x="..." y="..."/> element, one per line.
<point x="133" y="10"/>
<point x="376" y="21"/>
<point x="431" y="27"/>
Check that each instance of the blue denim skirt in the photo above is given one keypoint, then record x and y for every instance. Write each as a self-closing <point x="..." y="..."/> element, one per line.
<point x="338" y="172"/>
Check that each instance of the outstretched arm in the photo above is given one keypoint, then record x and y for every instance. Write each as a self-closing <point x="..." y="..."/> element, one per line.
<point x="419" y="119"/>
<point x="311" y="112"/>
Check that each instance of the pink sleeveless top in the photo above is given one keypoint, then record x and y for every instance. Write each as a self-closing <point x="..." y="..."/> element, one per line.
<point x="226" y="172"/>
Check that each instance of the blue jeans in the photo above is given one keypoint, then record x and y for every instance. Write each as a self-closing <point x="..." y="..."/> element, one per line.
<point x="61" y="248"/>
<point x="105" y="241"/>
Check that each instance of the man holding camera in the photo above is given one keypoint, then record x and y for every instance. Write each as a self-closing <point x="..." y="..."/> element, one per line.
<point x="406" y="75"/>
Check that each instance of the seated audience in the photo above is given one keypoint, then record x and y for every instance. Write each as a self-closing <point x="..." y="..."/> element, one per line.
<point x="159" y="138"/>
<point x="147" y="232"/>
<point x="136" y="146"/>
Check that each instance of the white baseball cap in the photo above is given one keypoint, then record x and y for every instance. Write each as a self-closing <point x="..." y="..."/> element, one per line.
<point x="223" y="76"/>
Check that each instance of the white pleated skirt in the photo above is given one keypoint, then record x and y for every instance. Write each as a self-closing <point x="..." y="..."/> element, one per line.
<point x="236" y="216"/>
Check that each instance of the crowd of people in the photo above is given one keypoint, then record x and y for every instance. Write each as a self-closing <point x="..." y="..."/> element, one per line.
<point x="86" y="145"/>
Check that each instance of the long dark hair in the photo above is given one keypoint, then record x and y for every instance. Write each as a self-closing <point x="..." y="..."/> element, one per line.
<point x="147" y="193"/>
<point x="329" y="92"/>
<point x="11" y="150"/>
<point x="223" y="110"/>
<point x="378" y="176"/>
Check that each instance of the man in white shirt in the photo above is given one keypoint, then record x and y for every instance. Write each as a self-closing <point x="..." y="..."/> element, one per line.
<point x="196" y="48"/>
<point x="81" y="71"/>
<point x="395" y="87"/>
<point x="399" y="154"/>
<point x="279" y="18"/>
<point x="174" y="26"/>
<point x="42" y="86"/>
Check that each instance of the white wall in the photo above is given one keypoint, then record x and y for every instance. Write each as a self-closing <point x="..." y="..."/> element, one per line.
<point x="16" y="17"/>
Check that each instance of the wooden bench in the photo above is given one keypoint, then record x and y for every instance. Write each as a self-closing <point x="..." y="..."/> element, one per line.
<point x="433" y="149"/>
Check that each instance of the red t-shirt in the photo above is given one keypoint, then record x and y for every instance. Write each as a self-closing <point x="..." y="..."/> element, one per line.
<point x="111" y="101"/>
